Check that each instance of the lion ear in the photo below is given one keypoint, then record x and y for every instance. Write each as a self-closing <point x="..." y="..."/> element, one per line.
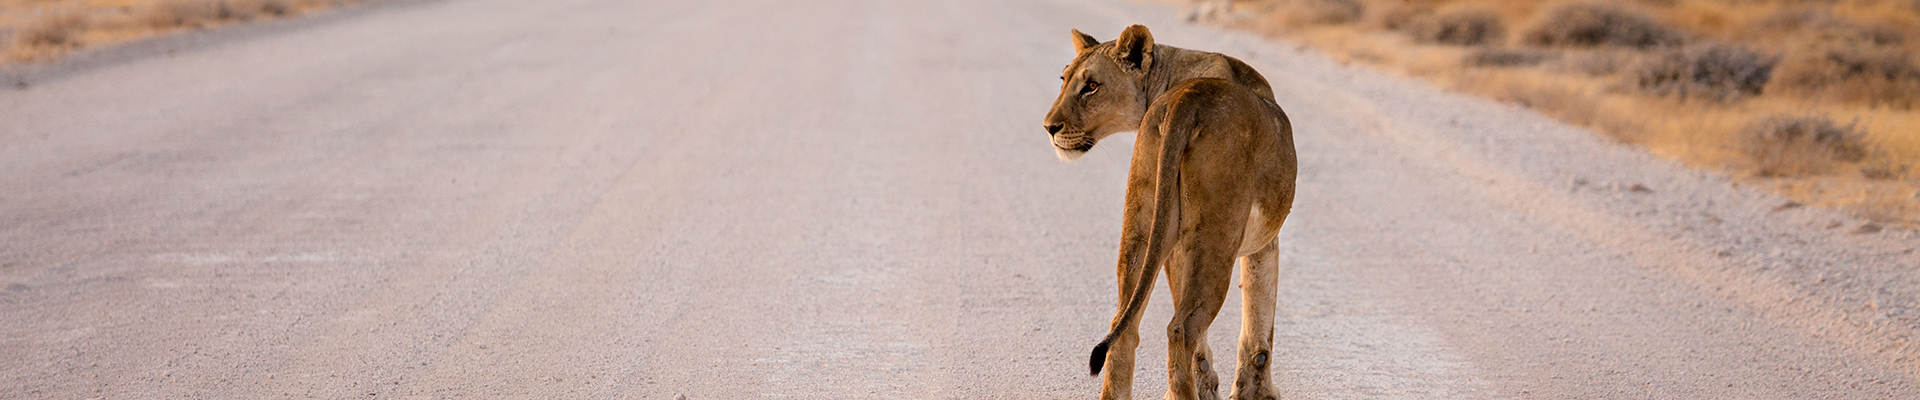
<point x="1082" y="42"/>
<point x="1134" y="48"/>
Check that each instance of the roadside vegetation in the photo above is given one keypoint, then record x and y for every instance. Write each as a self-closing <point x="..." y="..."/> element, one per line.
<point x="41" y="30"/>
<point x="1814" y="99"/>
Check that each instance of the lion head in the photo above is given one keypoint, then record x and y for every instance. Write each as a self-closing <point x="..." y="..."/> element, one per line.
<point x="1101" y="91"/>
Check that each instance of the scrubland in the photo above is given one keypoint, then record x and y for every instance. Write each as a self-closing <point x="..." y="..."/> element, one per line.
<point x="1815" y="100"/>
<point x="41" y="30"/>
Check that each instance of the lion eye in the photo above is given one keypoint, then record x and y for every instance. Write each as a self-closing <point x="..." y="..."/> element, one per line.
<point x="1089" y="88"/>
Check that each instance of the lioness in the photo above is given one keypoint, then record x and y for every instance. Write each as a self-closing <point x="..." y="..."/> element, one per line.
<point x="1212" y="180"/>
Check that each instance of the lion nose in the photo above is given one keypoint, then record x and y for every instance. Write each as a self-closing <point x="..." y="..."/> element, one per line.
<point x="1054" y="129"/>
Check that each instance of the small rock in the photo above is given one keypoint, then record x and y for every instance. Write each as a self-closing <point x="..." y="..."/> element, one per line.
<point x="679" y="397"/>
<point x="1788" y="206"/>
<point x="1724" y="253"/>
<point x="1639" y="188"/>
<point x="1867" y="229"/>
<point x="1834" y="224"/>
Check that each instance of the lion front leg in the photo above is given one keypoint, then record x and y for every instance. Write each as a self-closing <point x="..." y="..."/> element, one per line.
<point x="1259" y="278"/>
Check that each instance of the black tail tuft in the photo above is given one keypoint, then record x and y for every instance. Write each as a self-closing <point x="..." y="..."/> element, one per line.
<point x="1099" y="358"/>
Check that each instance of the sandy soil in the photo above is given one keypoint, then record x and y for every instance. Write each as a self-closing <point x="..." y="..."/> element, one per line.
<point x="848" y="199"/>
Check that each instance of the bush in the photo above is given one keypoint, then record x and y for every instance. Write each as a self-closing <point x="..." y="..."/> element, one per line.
<point x="1326" y="12"/>
<point x="1851" y="73"/>
<point x="1712" y="71"/>
<point x="1786" y="19"/>
<point x="57" y="30"/>
<point x="1786" y="146"/>
<point x="1596" y="24"/>
<point x="1821" y="25"/>
<point x="238" y="9"/>
<point x="1885" y="170"/>
<point x="276" y="7"/>
<point x="1464" y="26"/>
<point x="174" y="13"/>
<point x="1398" y="15"/>
<point x="1502" y="57"/>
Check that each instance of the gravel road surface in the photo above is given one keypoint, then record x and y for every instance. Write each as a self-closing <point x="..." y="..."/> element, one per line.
<point x="849" y="199"/>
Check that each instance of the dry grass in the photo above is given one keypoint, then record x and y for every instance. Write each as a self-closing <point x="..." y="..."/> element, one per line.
<point x="56" y="30"/>
<point x="44" y="30"/>
<point x="1813" y="99"/>
<point x="1851" y="72"/>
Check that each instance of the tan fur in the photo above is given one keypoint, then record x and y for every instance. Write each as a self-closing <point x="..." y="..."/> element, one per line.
<point x="1212" y="180"/>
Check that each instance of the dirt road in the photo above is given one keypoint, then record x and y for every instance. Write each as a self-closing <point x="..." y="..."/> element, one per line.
<point x="848" y="199"/>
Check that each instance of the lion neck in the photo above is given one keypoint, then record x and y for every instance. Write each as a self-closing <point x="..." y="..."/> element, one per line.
<point x="1172" y="65"/>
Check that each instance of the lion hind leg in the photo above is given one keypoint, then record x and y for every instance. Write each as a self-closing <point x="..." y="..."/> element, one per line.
<point x="1118" y="382"/>
<point x="1207" y="380"/>
<point x="1189" y="362"/>
<point x="1259" y="278"/>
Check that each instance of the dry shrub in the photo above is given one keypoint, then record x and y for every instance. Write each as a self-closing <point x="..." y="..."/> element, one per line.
<point x="1787" y="19"/>
<point x="1707" y="18"/>
<point x="1789" y="146"/>
<point x="1851" y="73"/>
<point x="1877" y="33"/>
<point x="1504" y="57"/>
<point x="1322" y="12"/>
<point x="239" y="9"/>
<point x="1464" y="26"/>
<point x="55" y="31"/>
<point x="175" y="13"/>
<point x="1398" y="15"/>
<point x="1869" y="33"/>
<point x="276" y="7"/>
<point x="1819" y="24"/>
<point x="1582" y="24"/>
<point x="1885" y="170"/>
<point x="1710" y="71"/>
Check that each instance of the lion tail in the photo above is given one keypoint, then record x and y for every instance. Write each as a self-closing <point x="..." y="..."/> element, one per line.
<point x="1176" y="128"/>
